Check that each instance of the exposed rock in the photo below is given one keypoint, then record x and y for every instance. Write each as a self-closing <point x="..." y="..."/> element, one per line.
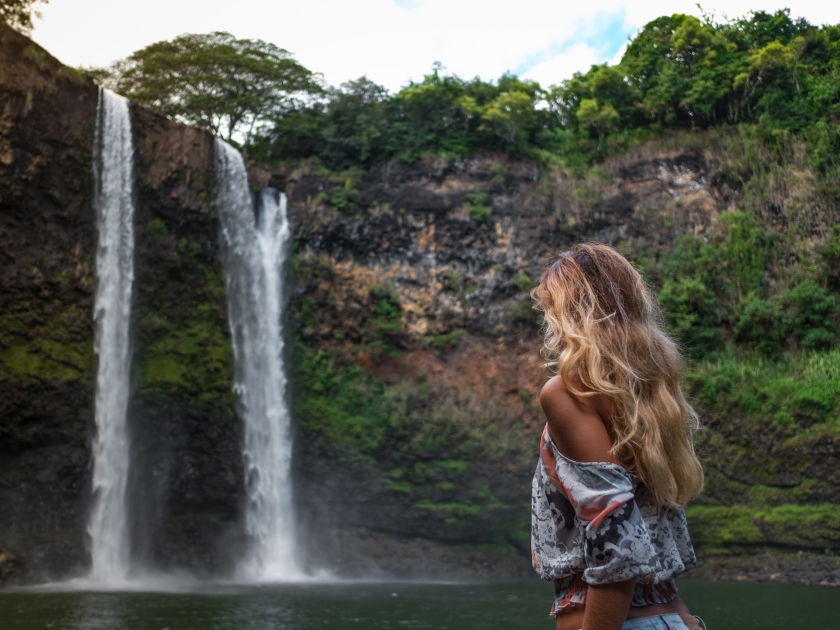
<point x="47" y="245"/>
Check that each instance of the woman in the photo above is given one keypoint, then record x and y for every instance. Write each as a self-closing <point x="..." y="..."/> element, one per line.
<point x="617" y="461"/>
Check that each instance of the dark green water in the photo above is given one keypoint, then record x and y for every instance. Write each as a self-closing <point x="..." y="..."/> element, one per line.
<point x="487" y="605"/>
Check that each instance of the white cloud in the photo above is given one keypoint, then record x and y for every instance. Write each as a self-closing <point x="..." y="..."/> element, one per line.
<point x="619" y="54"/>
<point x="577" y="58"/>
<point x="390" y="43"/>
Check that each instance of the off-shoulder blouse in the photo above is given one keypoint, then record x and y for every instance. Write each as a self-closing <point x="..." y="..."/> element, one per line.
<point x="593" y="523"/>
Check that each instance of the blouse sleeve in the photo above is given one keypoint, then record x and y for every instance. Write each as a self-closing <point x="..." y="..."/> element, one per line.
<point x="617" y="546"/>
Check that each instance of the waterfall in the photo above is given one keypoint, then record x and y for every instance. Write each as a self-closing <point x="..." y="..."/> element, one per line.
<point x="254" y="250"/>
<point x="114" y="204"/>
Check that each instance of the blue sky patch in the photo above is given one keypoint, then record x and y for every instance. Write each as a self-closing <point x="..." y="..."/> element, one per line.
<point x="604" y="32"/>
<point x="406" y="5"/>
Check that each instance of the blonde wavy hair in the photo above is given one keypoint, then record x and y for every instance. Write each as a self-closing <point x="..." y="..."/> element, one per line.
<point x="603" y="325"/>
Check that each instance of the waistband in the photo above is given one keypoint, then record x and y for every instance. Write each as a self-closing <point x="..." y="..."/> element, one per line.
<point x="672" y="621"/>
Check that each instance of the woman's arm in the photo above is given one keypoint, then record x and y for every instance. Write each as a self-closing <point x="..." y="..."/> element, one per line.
<point x="576" y="428"/>
<point x="607" y="605"/>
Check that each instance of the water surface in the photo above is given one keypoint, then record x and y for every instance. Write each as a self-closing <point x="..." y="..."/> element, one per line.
<point x="462" y="606"/>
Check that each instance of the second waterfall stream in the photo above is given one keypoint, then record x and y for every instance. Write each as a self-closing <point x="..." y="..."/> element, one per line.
<point x="254" y="249"/>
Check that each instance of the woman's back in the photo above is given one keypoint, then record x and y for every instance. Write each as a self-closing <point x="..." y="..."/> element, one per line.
<point x="616" y="457"/>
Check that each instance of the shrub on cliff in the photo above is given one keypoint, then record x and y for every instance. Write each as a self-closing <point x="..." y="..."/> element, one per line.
<point x="678" y="72"/>
<point x="803" y="313"/>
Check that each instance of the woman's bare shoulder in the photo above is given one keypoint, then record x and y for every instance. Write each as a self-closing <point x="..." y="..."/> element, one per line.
<point x="573" y="424"/>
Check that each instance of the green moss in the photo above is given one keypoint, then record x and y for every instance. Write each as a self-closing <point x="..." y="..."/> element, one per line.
<point x="478" y="208"/>
<point x="802" y="386"/>
<point x="71" y="75"/>
<point x="454" y="509"/>
<point x="156" y="227"/>
<point x="382" y="332"/>
<point x="166" y="369"/>
<point x="814" y="526"/>
<point x="454" y="467"/>
<point x="444" y="342"/>
<point x="523" y="282"/>
<point x="38" y="55"/>
<point x="716" y="526"/>
<point x="499" y="172"/>
<point x="184" y="348"/>
<point x="55" y="346"/>
<point x="398" y="486"/>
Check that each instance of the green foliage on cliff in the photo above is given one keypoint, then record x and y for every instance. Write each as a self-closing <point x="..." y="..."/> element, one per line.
<point x="716" y="528"/>
<point x="18" y="13"/>
<point x="53" y="345"/>
<point x="679" y="72"/>
<point x="477" y="206"/>
<point x="383" y="329"/>
<point x="183" y="343"/>
<point x="790" y="389"/>
<point x="359" y="414"/>
<point x="762" y="282"/>
<point x="420" y="440"/>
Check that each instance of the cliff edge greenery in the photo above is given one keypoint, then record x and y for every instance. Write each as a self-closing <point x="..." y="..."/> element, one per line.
<point x="679" y="72"/>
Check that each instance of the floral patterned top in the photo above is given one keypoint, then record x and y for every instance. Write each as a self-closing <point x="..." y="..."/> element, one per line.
<point x="593" y="523"/>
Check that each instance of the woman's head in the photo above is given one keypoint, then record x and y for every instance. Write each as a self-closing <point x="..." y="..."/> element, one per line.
<point x="602" y="323"/>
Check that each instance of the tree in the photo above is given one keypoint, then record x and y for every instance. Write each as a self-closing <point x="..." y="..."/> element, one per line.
<point x="229" y="85"/>
<point x="773" y="55"/>
<point x="18" y="13"/>
<point x="512" y="116"/>
<point x="602" y="118"/>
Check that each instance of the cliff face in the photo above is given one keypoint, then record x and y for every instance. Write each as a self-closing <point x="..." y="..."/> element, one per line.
<point x="47" y="245"/>
<point x="424" y="282"/>
<point x="186" y="478"/>
<point x="415" y="372"/>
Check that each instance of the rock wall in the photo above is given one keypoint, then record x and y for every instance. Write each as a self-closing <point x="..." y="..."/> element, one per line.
<point x="47" y="245"/>
<point x="456" y="246"/>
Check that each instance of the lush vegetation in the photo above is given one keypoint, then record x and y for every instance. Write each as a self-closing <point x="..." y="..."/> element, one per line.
<point x="18" y="13"/>
<point x="428" y="443"/>
<point x="229" y="85"/>
<point x="678" y="72"/>
<point x="719" y="529"/>
<point x="720" y="291"/>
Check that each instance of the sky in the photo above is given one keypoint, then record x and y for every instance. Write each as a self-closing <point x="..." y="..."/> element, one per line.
<point x="390" y="41"/>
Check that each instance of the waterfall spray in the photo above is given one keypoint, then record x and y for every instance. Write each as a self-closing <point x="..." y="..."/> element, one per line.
<point x="114" y="205"/>
<point x="254" y="250"/>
